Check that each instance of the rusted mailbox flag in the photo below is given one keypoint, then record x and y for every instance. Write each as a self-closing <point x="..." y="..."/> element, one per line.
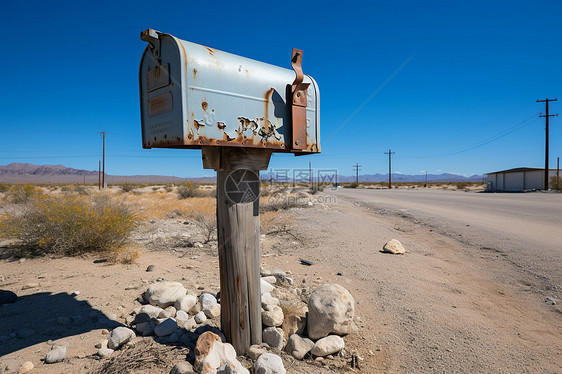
<point x="194" y="96"/>
<point x="238" y="112"/>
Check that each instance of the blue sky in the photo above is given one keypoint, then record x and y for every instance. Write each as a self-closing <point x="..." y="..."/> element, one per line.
<point x="450" y="86"/>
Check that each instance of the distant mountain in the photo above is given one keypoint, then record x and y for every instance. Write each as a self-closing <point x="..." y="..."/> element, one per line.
<point x="30" y="173"/>
<point x="396" y="177"/>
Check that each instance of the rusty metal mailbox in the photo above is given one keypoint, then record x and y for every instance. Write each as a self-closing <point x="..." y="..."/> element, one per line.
<point x="192" y="96"/>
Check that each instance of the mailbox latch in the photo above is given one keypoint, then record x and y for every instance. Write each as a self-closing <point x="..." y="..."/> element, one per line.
<point x="298" y="102"/>
<point x="151" y="36"/>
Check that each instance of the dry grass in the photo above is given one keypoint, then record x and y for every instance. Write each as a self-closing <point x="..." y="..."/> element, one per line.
<point x="145" y="357"/>
<point x="70" y="225"/>
<point x="274" y="222"/>
<point x="22" y="193"/>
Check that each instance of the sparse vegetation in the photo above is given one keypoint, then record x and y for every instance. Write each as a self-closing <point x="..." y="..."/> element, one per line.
<point x="316" y="187"/>
<point x="188" y="190"/>
<point x="554" y="184"/>
<point x="127" y="187"/>
<point x="462" y="185"/>
<point x="70" y="225"/>
<point x="22" y="193"/>
<point x="283" y="201"/>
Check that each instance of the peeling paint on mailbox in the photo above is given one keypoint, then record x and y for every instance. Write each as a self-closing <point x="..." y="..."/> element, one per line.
<point x="193" y="96"/>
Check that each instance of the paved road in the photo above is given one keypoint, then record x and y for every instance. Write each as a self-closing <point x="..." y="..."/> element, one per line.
<point x="527" y="227"/>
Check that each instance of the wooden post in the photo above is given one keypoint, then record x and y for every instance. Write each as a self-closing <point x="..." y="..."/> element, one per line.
<point x="238" y="228"/>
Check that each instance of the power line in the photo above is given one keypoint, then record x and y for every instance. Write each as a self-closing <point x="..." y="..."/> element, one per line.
<point x="546" y="117"/>
<point x="389" y="153"/>
<point x="356" y="167"/>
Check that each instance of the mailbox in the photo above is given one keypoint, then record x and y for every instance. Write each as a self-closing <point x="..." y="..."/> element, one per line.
<point x="192" y="96"/>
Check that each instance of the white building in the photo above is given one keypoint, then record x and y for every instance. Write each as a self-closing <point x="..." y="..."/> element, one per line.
<point x="519" y="179"/>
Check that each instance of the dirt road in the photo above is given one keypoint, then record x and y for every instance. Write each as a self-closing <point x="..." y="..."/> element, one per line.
<point x="464" y="298"/>
<point x="525" y="229"/>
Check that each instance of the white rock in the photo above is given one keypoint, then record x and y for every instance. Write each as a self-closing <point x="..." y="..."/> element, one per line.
<point x="211" y="355"/>
<point x="213" y="311"/>
<point x="26" y="367"/>
<point x="273" y="316"/>
<point x="190" y="324"/>
<point x="265" y="287"/>
<point x="394" y="247"/>
<point x="270" y="279"/>
<point x="56" y="354"/>
<point x="105" y="352"/>
<point x="164" y="294"/>
<point x="168" y="312"/>
<point x="267" y="299"/>
<point x="166" y="327"/>
<point x="207" y="301"/>
<point x="151" y="310"/>
<point x="185" y="303"/>
<point x="328" y="345"/>
<point x="273" y="337"/>
<point x="120" y="336"/>
<point x="268" y="363"/>
<point x="298" y="346"/>
<point x="330" y="310"/>
<point x="200" y="317"/>
<point x="181" y="317"/>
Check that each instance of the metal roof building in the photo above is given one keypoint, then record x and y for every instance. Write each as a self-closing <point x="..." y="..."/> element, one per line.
<point x="518" y="179"/>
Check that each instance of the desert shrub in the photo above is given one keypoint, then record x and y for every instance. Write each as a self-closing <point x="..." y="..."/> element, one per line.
<point x="80" y="190"/>
<point x="188" y="190"/>
<point x="70" y="225"/>
<point x="275" y="222"/>
<point x="351" y="185"/>
<point x="554" y="183"/>
<point x="155" y="189"/>
<point x="168" y="188"/>
<point x="462" y="185"/>
<point x="283" y="201"/>
<point x="203" y="213"/>
<point x="4" y="187"/>
<point x="207" y="223"/>
<point x="316" y="188"/>
<point x="22" y="193"/>
<point x="127" y="187"/>
<point x="65" y="189"/>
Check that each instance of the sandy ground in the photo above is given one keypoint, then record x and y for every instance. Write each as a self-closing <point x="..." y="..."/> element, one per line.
<point x="445" y="306"/>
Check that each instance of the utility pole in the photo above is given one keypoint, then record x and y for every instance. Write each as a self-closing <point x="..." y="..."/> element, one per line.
<point x="425" y="185"/>
<point x="103" y="164"/>
<point x="310" y="174"/>
<point x="356" y="167"/>
<point x="389" y="153"/>
<point x="99" y="174"/>
<point x="546" y="116"/>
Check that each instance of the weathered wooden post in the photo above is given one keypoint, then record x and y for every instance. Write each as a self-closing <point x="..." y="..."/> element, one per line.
<point x="238" y="231"/>
<point x="238" y="112"/>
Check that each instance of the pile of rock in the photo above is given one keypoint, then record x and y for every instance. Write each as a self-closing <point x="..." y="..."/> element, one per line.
<point x="302" y="326"/>
<point x="316" y="330"/>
